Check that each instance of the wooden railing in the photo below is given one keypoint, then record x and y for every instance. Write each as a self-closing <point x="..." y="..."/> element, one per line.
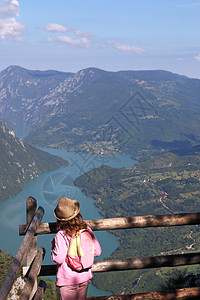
<point x="21" y="255"/>
<point x="34" y="227"/>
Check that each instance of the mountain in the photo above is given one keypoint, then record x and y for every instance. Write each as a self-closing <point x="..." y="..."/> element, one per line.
<point x="20" y="162"/>
<point x="24" y="92"/>
<point x="99" y="111"/>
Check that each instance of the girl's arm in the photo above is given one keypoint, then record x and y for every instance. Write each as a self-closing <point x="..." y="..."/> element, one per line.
<point x="97" y="246"/>
<point x="59" y="248"/>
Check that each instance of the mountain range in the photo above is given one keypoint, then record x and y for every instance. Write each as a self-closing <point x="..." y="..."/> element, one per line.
<point x="99" y="111"/>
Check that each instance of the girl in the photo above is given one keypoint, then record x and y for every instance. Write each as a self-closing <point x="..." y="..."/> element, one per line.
<point x="72" y="284"/>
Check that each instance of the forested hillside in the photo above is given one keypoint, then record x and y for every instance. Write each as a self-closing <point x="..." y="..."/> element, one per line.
<point x="20" y="162"/>
<point x="163" y="185"/>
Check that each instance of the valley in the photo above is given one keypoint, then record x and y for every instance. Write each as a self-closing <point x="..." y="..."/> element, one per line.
<point x="152" y="116"/>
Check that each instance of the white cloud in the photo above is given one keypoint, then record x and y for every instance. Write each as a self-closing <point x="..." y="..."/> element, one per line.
<point x="82" y="42"/>
<point x="123" y="47"/>
<point x="49" y="39"/>
<point x="189" y="4"/>
<point x="83" y="33"/>
<point x="11" y="9"/>
<point x="56" y="28"/>
<point x="194" y="4"/>
<point x="53" y="27"/>
<point x="11" y="29"/>
<point x="197" y="57"/>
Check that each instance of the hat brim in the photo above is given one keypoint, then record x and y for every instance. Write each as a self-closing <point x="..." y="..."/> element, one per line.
<point x="76" y="211"/>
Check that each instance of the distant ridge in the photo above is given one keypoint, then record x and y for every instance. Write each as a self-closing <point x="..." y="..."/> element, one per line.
<point x="153" y="75"/>
<point x="68" y="110"/>
<point x="15" y="68"/>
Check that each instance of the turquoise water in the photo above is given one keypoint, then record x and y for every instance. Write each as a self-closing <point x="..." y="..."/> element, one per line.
<point x="47" y="189"/>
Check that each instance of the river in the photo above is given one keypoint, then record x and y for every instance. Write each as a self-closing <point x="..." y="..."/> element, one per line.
<point x="47" y="189"/>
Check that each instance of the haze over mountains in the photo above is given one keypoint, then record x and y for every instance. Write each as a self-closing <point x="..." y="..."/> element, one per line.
<point x="127" y="110"/>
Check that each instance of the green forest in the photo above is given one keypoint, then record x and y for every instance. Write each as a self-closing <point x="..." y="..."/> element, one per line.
<point x="163" y="185"/>
<point x="51" y="292"/>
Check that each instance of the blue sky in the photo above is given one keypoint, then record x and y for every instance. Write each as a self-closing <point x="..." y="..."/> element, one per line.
<point x="108" y="34"/>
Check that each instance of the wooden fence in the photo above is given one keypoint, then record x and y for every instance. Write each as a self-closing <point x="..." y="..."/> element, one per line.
<point x="34" y="227"/>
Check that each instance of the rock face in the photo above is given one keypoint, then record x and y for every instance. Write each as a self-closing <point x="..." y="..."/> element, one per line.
<point x="20" y="162"/>
<point x="26" y="96"/>
<point x="16" y="289"/>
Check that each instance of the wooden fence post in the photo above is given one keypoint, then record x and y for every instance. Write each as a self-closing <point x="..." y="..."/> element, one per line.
<point x="21" y="255"/>
<point x="40" y="290"/>
<point x="32" y="275"/>
<point x="31" y="208"/>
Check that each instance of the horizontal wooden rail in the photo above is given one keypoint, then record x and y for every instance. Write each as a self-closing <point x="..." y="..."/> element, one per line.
<point x="135" y="263"/>
<point x="128" y="222"/>
<point x="21" y="254"/>
<point x="187" y="293"/>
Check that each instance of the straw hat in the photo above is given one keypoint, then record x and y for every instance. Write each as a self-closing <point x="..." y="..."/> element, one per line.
<point x="66" y="209"/>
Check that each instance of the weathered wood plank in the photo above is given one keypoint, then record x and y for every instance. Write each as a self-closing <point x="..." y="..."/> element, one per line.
<point x="44" y="228"/>
<point x="21" y="254"/>
<point x="31" y="208"/>
<point x="187" y="293"/>
<point x="40" y="290"/>
<point x="32" y="274"/>
<point x="128" y="222"/>
<point x="135" y="263"/>
<point x="147" y="262"/>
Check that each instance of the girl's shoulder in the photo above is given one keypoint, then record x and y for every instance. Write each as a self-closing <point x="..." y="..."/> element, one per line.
<point x="61" y="234"/>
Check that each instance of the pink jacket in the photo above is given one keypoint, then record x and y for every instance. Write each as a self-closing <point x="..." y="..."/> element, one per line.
<point x="65" y="275"/>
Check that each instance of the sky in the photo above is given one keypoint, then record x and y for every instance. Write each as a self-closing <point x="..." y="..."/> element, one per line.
<point x="113" y="35"/>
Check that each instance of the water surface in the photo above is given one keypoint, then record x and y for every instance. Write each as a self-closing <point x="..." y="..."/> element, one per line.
<point x="47" y="189"/>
